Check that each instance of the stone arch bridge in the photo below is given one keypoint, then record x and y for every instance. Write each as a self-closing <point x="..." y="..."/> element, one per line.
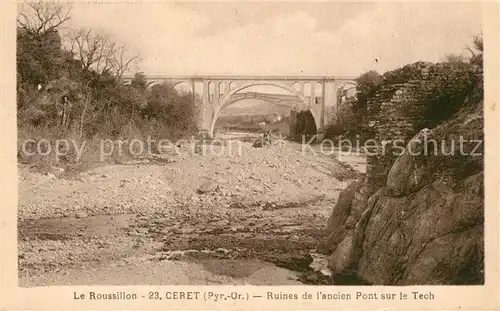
<point x="319" y="94"/>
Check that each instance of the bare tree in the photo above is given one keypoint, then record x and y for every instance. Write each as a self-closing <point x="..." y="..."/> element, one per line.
<point x="93" y="49"/>
<point x="122" y="61"/>
<point x="98" y="51"/>
<point x="39" y="18"/>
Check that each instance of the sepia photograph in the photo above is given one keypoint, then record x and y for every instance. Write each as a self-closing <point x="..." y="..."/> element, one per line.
<point x="250" y="143"/>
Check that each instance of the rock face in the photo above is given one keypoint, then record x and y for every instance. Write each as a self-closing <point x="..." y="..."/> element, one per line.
<point x="425" y="225"/>
<point x="434" y="236"/>
<point x="341" y="226"/>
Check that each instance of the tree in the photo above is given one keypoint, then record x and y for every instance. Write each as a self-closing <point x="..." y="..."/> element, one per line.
<point x="477" y="50"/>
<point x="366" y="86"/>
<point x="122" y="61"/>
<point x="97" y="51"/>
<point x="139" y="82"/>
<point x="93" y="50"/>
<point x="39" y="54"/>
<point x="39" y="18"/>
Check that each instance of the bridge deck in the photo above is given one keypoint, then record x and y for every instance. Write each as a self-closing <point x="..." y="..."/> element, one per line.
<point x="241" y="77"/>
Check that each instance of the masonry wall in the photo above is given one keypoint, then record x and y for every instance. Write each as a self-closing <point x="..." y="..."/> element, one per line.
<point x="394" y="114"/>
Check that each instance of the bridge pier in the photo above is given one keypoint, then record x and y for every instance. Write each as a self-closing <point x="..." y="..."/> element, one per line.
<point x="329" y="101"/>
<point x="204" y="133"/>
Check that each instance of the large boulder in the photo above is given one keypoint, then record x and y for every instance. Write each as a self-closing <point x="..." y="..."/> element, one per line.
<point x="341" y="227"/>
<point x="409" y="172"/>
<point x="335" y="230"/>
<point x="342" y="208"/>
<point x="342" y="257"/>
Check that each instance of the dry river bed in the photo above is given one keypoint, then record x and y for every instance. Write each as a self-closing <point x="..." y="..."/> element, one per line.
<point x="249" y="217"/>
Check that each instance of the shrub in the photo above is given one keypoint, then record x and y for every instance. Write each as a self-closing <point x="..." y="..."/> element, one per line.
<point x="449" y="86"/>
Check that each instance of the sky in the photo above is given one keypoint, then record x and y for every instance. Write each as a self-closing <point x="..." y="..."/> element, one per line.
<point x="335" y="39"/>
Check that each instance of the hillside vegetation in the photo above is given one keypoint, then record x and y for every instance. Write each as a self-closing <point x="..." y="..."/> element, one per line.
<point x="70" y="86"/>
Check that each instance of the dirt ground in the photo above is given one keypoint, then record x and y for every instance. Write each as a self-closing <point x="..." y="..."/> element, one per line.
<point x="252" y="216"/>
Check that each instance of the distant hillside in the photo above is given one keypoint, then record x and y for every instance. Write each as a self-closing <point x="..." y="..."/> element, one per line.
<point x="255" y="107"/>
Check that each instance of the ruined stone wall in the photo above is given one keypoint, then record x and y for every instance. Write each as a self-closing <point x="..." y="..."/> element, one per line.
<point x="394" y="114"/>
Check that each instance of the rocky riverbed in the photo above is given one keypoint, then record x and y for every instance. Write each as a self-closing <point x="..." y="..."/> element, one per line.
<point x="254" y="216"/>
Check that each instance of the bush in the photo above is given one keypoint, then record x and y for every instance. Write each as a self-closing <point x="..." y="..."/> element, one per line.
<point x="449" y="86"/>
<point x="367" y="86"/>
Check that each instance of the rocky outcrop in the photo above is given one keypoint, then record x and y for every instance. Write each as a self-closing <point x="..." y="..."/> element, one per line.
<point x="434" y="236"/>
<point x="347" y="212"/>
<point x="425" y="224"/>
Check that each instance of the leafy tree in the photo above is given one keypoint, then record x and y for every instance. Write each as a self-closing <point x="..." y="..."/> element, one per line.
<point x="39" y="55"/>
<point x="477" y="52"/>
<point x="367" y="85"/>
<point x="140" y="82"/>
<point x="39" y="59"/>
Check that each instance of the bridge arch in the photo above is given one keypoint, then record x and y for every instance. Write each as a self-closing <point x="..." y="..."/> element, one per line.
<point x="151" y="84"/>
<point x="347" y="85"/>
<point x="183" y="86"/>
<point x="308" y="92"/>
<point x="180" y="85"/>
<point x="211" y="91"/>
<point x="297" y="86"/>
<point x="222" y="88"/>
<point x="225" y="101"/>
<point x="344" y="88"/>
